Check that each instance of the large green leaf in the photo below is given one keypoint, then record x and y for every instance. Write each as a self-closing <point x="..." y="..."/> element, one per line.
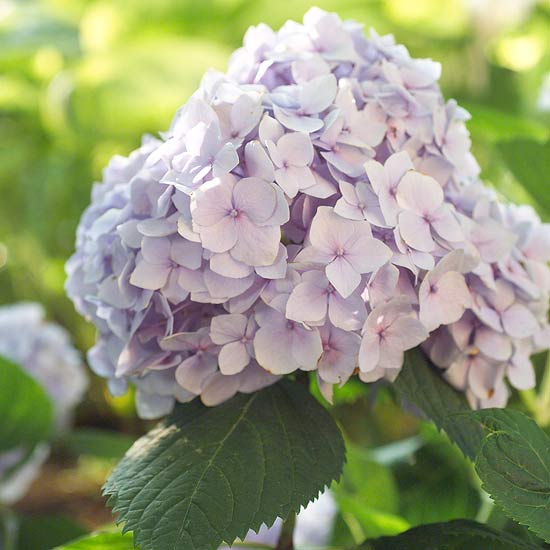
<point x="454" y="535"/>
<point x="514" y="466"/>
<point x="207" y="475"/>
<point x="101" y="541"/>
<point x="423" y="385"/>
<point x="529" y="161"/>
<point x="25" y="408"/>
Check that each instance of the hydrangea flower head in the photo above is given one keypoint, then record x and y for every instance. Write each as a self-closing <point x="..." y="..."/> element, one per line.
<point x="44" y="351"/>
<point x="314" y="208"/>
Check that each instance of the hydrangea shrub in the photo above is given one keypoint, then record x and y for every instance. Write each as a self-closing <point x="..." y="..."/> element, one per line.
<point x="44" y="351"/>
<point x="315" y="208"/>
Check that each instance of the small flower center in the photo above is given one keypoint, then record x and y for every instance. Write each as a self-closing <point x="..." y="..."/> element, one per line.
<point x="234" y="213"/>
<point x="340" y="252"/>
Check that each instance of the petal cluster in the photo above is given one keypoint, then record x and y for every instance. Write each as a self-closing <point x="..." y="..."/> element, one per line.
<point x="314" y="208"/>
<point x="44" y="350"/>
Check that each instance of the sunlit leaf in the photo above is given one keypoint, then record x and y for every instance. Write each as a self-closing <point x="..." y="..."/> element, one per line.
<point x="496" y="125"/>
<point x="101" y="541"/>
<point x="25" y="408"/>
<point x="529" y="161"/>
<point x="367" y="497"/>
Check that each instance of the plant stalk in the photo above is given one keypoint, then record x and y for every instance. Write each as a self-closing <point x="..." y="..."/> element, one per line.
<point x="286" y="540"/>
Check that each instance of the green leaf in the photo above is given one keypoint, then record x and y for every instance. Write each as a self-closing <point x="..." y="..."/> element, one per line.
<point x="514" y="466"/>
<point x="529" y="161"/>
<point x="208" y="475"/>
<point x="101" y="541"/>
<point x="99" y="443"/>
<point x="497" y="125"/>
<point x="453" y="535"/>
<point x="422" y="384"/>
<point x="25" y="408"/>
<point x="436" y="472"/>
<point x="367" y="497"/>
<point x="45" y="532"/>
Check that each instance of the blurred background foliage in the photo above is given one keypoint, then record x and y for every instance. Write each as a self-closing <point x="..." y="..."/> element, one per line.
<point x="81" y="80"/>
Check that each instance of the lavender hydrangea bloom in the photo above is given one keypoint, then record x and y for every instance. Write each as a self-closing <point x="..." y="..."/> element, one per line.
<point x="44" y="350"/>
<point x="315" y="208"/>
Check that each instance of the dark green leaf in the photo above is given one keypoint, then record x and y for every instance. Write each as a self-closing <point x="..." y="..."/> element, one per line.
<point x="207" y="475"/>
<point x="45" y="532"/>
<point x="101" y="541"/>
<point x="529" y="161"/>
<point x="514" y="466"/>
<point x="454" y="535"/>
<point x="498" y="519"/>
<point x="25" y="408"/>
<point x="422" y="384"/>
<point x="100" y="443"/>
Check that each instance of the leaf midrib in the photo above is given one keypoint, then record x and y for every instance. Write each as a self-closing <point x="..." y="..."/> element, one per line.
<point x="209" y="465"/>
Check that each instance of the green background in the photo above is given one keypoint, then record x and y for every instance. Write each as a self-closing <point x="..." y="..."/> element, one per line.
<point x="81" y="80"/>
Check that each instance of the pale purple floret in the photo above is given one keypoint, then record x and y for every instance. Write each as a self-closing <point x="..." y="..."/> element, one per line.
<point x="283" y="346"/>
<point x="385" y="179"/>
<point x="443" y="295"/>
<point x="235" y="333"/>
<point x="346" y="247"/>
<point x="390" y="330"/>
<point x="240" y="216"/>
<point x="315" y="297"/>
<point x="316" y="208"/>
<point x="424" y="215"/>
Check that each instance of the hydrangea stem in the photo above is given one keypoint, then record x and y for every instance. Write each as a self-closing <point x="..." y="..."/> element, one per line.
<point x="537" y="401"/>
<point x="543" y="401"/>
<point x="286" y="540"/>
<point x="8" y="529"/>
<point x="252" y="546"/>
